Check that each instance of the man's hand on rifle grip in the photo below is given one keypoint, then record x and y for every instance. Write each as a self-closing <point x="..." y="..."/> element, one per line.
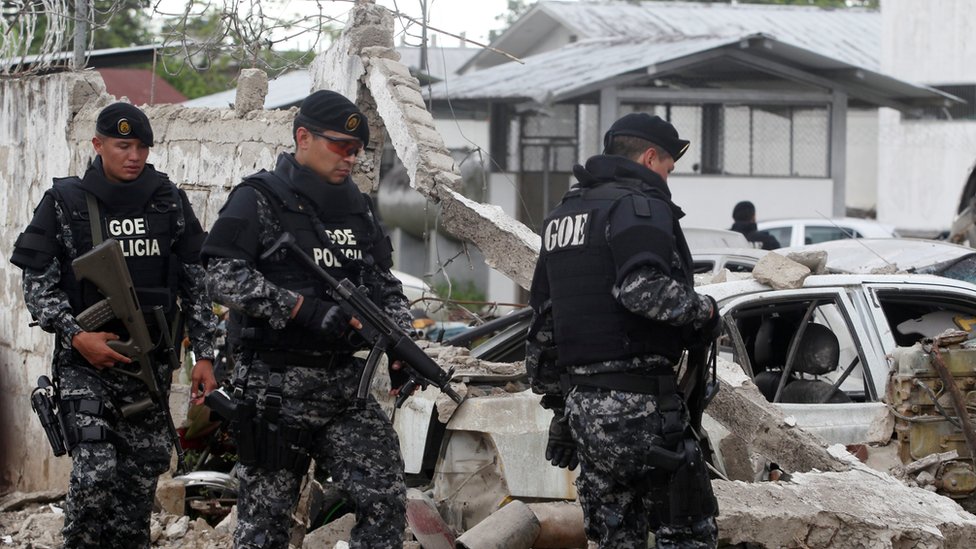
<point x="94" y="347"/>
<point x="202" y="380"/>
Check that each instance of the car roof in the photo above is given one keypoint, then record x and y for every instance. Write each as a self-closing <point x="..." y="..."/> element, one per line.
<point x="856" y="222"/>
<point x="726" y="290"/>
<point x="864" y="255"/>
<point x="701" y="238"/>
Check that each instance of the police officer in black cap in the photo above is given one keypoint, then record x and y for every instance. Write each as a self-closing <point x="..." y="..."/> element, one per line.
<point x="115" y="459"/>
<point x="615" y="307"/>
<point x="296" y="377"/>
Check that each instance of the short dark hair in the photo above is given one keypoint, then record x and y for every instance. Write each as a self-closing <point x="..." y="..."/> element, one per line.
<point x="632" y="147"/>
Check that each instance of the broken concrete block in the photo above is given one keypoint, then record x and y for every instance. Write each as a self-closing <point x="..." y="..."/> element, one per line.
<point x="178" y="529"/>
<point x="171" y="496"/>
<point x="780" y="272"/>
<point x="514" y="526"/>
<point x="229" y="523"/>
<point x="16" y="501"/>
<point x="816" y="261"/>
<point x="252" y="88"/>
<point x="332" y="534"/>
<point x="856" y="508"/>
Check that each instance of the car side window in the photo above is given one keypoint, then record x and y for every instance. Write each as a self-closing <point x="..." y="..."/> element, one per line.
<point x="818" y="234"/>
<point x="799" y="351"/>
<point x="782" y="234"/>
<point x="914" y="316"/>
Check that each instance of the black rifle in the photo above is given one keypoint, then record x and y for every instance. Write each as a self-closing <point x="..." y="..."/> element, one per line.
<point x="377" y="329"/>
<point x="104" y="266"/>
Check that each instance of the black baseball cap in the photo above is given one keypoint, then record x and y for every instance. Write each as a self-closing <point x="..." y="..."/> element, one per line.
<point x="328" y="110"/>
<point x="124" y="121"/>
<point x="649" y="128"/>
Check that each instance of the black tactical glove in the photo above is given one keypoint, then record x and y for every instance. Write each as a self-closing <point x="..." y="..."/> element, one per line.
<point x="709" y="332"/>
<point x="561" y="448"/>
<point x="323" y="317"/>
<point x="713" y="327"/>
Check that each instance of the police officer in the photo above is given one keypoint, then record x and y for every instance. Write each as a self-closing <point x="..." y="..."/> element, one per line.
<point x="115" y="459"/>
<point x="614" y="307"/>
<point x="295" y="380"/>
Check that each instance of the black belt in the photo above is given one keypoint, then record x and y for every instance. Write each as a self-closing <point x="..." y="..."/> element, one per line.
<point x="630" y="383"/>
<point x="294" y="358"/>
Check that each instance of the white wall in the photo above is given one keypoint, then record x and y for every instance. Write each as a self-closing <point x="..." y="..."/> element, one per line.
<point x="923" y="165"/>
<point x="930" y="41"/>
<point x="862" y="159"/>
<point x="708" y="201"/>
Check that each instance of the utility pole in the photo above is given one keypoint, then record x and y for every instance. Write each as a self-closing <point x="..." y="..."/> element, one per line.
<point x="81" y="33"/>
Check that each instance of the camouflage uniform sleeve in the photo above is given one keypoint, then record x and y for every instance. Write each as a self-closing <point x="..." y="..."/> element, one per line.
<point x="540" y="344"/>
<point x="45" y="299"/>
<point x="239" y="286"/>
<point x="48" y="304"/>
<point x="394" y="303"/>
<point x="648" y="292"/>
<point x="201" y="322"/>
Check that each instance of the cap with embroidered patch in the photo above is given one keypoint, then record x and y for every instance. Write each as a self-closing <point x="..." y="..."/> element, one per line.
<point x="649" y="128"/>
<point x="328" y="110"/>
<point x="124" y="121"/>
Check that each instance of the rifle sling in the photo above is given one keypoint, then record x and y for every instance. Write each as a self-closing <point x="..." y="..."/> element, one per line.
<point x="94" y="218"/>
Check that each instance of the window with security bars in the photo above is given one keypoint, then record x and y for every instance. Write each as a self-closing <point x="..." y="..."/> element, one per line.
<point x="749" y="140"/>
<point x="548" y="149"/>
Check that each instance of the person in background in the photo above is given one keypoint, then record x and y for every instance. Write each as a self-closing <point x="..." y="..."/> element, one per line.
<point x="744" y="217"/>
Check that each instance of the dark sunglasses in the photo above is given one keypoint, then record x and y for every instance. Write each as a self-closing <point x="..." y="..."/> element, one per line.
<point x="340" y="145"/>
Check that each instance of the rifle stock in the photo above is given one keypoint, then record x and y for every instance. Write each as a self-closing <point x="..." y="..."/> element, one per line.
<point x="104" y="266"/>
<point x="378" y="329"/>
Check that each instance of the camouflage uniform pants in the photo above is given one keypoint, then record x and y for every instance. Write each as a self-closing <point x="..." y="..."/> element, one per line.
<point x="622" y="495"/>
<point x="355" y="442"/>
<point x="112" y="486"/>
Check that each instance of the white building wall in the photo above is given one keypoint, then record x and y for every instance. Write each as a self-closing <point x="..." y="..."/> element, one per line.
<point x="862" y="159"/>
<point x="930" y="42"/>
<point x="923" y="165"/>
<point x="708" y="201"/>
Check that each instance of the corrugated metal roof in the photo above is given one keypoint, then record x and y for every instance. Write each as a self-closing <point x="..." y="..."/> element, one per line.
<point x="550" y="76"/>
<point x="850" y="35"/>
<point x="573" y="69"/>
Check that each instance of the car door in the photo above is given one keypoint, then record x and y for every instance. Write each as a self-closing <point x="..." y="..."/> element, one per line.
<point x="905" y="312"/>
<point x="768" y="333"/>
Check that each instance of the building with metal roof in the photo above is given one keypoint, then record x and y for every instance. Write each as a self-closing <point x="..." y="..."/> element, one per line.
<point x="780" y="102"/>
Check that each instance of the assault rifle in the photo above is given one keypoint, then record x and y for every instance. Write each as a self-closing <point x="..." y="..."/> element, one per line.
<point x="377" y="329"/>
<point x="104" y="266"/>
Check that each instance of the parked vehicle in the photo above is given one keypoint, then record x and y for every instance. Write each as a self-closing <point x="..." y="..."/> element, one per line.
<point x="797" y="232"/>
<point x="702" y="238"/>
<point x="736" y="260"/>
<point x="915" y="255"/>
<point x="492" y="448"/>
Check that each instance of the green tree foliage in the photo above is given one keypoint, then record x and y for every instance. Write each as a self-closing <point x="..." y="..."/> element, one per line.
<point x="114" y="23"/>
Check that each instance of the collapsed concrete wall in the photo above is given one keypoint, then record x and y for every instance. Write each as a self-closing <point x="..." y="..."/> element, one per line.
<point x="46" y="125"/>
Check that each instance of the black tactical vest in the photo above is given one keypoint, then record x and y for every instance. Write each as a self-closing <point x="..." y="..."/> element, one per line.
<point x="590" y="325"/>
<point x="348" y="223"/>
<point x="146" y="232"/>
